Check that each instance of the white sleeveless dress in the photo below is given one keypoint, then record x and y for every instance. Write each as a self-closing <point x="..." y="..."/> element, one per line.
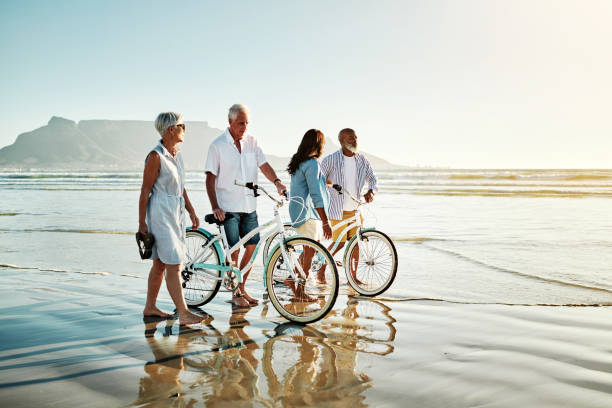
<point x="166" y="208"/>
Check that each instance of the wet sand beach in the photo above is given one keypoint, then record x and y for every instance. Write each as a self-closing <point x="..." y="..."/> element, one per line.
<point x="82" y="342"/>
<point x="501" y="300"/>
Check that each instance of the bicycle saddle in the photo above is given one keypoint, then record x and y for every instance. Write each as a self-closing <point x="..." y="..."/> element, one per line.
<point x="145" y="244"/>
<point x="210" y="218"/>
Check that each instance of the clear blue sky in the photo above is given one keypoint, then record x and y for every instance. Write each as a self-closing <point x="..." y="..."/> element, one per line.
<point x="434" y="83"/>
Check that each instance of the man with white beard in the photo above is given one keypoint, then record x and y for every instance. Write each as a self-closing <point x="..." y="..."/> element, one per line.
<point x="350" y="169"/>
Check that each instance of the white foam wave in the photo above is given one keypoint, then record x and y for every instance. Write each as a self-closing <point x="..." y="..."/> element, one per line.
<point x="11" y="266"/>
<point x="515" y="272"/>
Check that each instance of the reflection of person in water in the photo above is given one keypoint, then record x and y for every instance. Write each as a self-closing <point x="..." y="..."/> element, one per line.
<point x="224" y="363"/>
<point x="324" y="366"/>
<point x="163" y="373"/>
<point x="233" y="379"/>
<point x="302" y="365"/>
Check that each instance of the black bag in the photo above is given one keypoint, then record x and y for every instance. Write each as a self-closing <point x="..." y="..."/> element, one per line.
<point x="145" y="244"/>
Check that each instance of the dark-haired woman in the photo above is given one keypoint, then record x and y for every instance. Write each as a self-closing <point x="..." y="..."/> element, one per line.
<point x="309" y="197"/>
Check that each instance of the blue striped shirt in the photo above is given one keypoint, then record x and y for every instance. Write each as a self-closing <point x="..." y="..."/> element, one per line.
<point x="332" y="168"/>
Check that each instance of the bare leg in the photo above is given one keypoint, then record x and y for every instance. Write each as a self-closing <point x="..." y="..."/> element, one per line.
<point x="173" y="283"/>
<point x="353" y="262"/>
<point x="306" y="259"/>
<point x="246" y="257"/>
<point x="237" y="297"/>
<point x="305" y="262"/>
<point x="156" y="276"/>
<point x="321" y="272"/>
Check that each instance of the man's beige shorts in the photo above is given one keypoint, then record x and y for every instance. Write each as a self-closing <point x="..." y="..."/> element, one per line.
<point x="311" y="229"/>
<point x="336" y="233"/>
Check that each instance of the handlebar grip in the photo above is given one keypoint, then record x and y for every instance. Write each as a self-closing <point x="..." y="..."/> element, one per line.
<point x="337" y="187"/>
<point x="284" y="193"/>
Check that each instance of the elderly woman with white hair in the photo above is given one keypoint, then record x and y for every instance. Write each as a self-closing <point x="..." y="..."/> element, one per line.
<point x="161" y="209"/>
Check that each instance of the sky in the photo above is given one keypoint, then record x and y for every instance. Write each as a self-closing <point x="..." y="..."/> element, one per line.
<point x="463" y="84"/>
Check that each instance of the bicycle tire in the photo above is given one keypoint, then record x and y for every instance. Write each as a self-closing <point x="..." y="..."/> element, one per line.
<point x="375" y="274"/>
<point x="199" y="289"/>
<point x="284" y="298"/>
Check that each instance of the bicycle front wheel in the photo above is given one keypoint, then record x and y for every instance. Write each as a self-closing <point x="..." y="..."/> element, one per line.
<point x="306" y="299"/>
<point x="200" y="285"/>
<point x="370" y="262"/>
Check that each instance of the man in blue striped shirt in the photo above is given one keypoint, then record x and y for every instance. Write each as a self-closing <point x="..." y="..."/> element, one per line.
<point x="351" y="170"/>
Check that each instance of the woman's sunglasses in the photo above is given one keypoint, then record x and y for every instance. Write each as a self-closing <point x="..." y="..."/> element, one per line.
<point x="181" y="125"/>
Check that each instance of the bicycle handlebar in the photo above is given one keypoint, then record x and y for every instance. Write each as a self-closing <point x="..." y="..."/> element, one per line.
<point x="256" y="188"/>
<point x="340" y="190"/>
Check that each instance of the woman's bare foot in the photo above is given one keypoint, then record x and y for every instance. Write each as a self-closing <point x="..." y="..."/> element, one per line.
<point x="154" y="311"/>
<point x="252" y="301"/>
<point x="321" y="278"/>
<point x="238" y="299"/>
<point x="357" y="281"/>
<point x="300" y="294"/>
<point x="186" y="318"/>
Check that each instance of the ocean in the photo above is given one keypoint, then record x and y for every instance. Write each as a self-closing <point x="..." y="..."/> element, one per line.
<point x="524" y="237"/>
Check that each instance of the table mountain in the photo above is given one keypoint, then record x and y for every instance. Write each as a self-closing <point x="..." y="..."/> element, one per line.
<point x="116" y="145"/>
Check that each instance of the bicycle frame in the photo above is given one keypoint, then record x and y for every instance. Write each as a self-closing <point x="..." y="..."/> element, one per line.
<point x="349" y="223"/>
<point x="228" y="266"/>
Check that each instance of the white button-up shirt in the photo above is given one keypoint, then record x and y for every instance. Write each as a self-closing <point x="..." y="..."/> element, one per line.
<point x="228" y="165"/>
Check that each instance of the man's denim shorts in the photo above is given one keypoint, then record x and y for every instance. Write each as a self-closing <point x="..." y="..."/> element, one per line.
<point x="239" y="226"/>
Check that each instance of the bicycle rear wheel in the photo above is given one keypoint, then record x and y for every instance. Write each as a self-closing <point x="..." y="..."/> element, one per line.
<point x="306" y="300"/>
<point x="370" y="262"/>
<point x="199" y="285"/>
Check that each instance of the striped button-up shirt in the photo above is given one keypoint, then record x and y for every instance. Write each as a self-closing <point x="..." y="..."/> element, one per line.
<point x="332" y="167"/>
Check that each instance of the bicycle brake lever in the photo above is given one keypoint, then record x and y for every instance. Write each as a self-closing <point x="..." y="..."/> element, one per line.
<point x="337" y="187"/>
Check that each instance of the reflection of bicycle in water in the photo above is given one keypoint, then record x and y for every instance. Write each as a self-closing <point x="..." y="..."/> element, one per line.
<point x="306" y="366"/>
<point x="370" y="327"/>
<point x="370" y="257"/>
<point x="301" y="365"/>
<point x="293" y="291"/>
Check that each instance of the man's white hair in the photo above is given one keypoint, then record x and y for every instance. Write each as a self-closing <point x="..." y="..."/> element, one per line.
<point x="236" y="109"/>
<point x="165" y="120"/>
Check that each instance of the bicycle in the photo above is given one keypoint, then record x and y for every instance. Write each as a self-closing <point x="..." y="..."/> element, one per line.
<point x="377" y="266"/>
<point x="294" y="292"/>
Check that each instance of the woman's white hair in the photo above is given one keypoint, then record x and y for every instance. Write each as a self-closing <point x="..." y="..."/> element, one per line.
<point x="165" y="120"/>
<point x="236" y="109"/>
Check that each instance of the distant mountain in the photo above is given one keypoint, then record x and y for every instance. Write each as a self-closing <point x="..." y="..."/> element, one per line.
<point x="116" y="145"/>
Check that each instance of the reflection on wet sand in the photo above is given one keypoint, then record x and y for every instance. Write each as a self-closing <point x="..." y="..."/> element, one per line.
<point x="290" y="365"/>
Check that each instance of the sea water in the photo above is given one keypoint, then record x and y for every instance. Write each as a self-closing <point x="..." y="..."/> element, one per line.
<point x="468" y="236"/>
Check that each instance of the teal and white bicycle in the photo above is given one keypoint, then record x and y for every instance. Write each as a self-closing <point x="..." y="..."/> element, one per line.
<point x="291" y="285"/>
<point x="369" y="257"/>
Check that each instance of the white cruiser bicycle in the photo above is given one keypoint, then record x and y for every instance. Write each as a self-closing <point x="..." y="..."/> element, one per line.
<point x="208" y="265"/>
<point x="370" y="257"/>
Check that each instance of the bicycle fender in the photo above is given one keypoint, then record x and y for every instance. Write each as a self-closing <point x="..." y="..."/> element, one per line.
<point x="265" y="271"/>
<point x="354" y="237"/>
<point x="270" y="255"/>
<point x="216" y="245"/>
